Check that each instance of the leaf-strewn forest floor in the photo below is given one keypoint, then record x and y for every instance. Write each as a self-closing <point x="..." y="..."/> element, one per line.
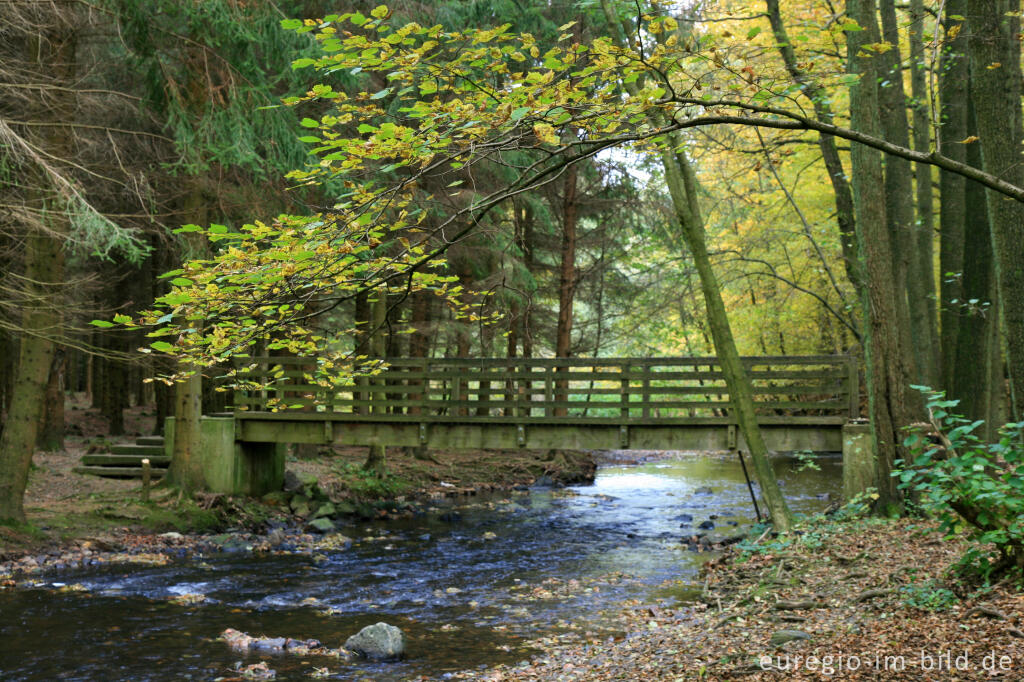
<point x="858" y="600"/>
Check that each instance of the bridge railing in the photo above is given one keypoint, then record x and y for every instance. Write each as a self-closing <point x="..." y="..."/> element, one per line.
<point x="614" y="390"/>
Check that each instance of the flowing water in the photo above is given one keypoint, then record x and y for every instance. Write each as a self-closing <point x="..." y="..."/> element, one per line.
<point x="469" y="585"/>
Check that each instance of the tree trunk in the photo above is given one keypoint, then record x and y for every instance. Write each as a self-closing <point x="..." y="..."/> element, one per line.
<point x="923" y="241"/>
<point x="976" y="348"/>
<point x="51" y="432"/>
<point x="566" y="282"/>
<point x="845" y="218"/>
<point x="911" y="306"/>
<point x="888" y="376"/>
<point x="375" y="459"/>
<point x="186" y="470"/>
<point x="994" y="48"/>
<point x="54" y="54"/>
<point x="953" y="97"/>
<point x="682" y="185"/>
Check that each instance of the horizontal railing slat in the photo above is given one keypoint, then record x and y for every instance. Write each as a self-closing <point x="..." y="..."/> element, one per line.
<point x="639" y="389"/>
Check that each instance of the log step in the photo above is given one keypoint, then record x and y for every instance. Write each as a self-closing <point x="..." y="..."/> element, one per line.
<point x="117" y="472"/>
<point x="150" y="440"/>
<point x="124" y="460"/>
<point x="138" y="450"/>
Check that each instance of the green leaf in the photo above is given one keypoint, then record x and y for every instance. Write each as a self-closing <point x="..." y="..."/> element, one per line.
<point x="358" y="19"/>
<point x="309" y="138"/>
<point x="181" y="282"/>
<point x="302" y="63"/>
<point x="381" y="94"/>
<point x="752" y="33"/>
<point x="102" y="323"/>
<point x="188" y="228"/>
<point x="519" y="113"/>
<point x="309" y="123"/>
<point x="291" y="24"/>
<point x="162" y="346"/>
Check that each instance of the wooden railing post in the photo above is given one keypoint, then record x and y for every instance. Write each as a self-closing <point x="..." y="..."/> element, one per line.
<point x="624" y="392"/>
<point x="645" y="391"/>
<point x="853" y="386"/>
<point x="549" y="391"/>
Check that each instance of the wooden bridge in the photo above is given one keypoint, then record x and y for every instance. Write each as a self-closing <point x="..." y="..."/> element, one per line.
<point x="574" y="403"/>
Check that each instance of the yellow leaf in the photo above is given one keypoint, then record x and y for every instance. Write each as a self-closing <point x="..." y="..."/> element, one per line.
<point x="968" y="140"/>
<point x="993" y="65"/>
<point x="545" y="133"/>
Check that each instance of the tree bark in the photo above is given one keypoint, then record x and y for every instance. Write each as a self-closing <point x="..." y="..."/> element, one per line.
<point x="682" y="184"/>
<point x="954" y="78"/>
<point x="186" y="471"/>
<point x="994" y="48"/>
<point x="566" y="282"/>
<point x="911" y="306"/>
<point x="976" y="348"/>
<point x="375" y="459"/>
<point x="924" y="238"/>
<point x="52" y="53"/>
<point x="888" y="376"/>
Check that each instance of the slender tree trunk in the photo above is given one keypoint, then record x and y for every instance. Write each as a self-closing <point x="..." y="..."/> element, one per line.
<point x="923" y="241"/>
<point x="682" y="185"/>
<point x="186" y="469"/>
<point x="975" y="346"/>
<point x="51" y="432"/>
<point x="826" y="143"/>
<point x="566" y="282"/>
<point x="911" y="306"/>
<point x="994" y="48"/>
<point x="954" y="78"/>
<point x="375" y="459"/>
<point x="888" y="374"/>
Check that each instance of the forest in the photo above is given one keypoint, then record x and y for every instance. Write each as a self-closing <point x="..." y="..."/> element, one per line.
<point x="187" y="185"/>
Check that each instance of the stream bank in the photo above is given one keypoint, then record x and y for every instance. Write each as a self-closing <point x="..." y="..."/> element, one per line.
<point x="850" y="599"/>
<point x="472" y="581"/>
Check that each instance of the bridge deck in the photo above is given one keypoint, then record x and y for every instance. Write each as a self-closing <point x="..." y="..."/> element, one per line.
<point x="648" y="403"/>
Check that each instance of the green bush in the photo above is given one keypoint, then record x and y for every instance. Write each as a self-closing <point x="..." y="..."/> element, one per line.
<point x="970" y="485"/>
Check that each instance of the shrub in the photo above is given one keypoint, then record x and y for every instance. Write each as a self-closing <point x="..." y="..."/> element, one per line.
<point x="969" y="484"/>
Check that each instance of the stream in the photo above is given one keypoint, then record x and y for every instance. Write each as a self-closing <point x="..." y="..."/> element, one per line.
<point x="471" y="583"/>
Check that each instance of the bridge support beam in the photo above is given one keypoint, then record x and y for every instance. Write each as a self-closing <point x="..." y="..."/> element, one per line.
<point x="234" y="467"/>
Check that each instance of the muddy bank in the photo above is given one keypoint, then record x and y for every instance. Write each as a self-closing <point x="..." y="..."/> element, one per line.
<point x="865" y="599"/>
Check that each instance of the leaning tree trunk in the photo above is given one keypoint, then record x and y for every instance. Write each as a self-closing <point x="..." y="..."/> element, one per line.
<point x="888" y="375"/>
<point x="994" y="49"/>
<point x="682" y="184"/>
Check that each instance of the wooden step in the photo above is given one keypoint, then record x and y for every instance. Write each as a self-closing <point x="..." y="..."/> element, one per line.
<point x="116" y="472"/>
<point x="125" y="460"/>
<point x="138" y="450"/>
<point x="150" y="440"/>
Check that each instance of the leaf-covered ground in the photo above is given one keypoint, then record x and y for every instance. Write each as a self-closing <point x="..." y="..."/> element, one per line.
<point x="861" y="600"/>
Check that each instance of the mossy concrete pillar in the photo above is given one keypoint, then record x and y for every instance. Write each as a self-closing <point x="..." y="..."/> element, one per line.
<point x="858" y="459"/>
<point x="230" y="466"/>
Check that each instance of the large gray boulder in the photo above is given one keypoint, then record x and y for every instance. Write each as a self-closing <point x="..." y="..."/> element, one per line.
<point x="378" y="641"/>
